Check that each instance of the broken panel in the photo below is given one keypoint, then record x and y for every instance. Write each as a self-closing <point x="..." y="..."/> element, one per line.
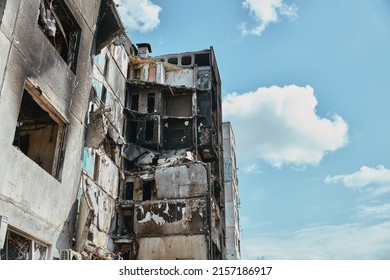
<point x="62" y="30"/>
<point x="40" y="134"/>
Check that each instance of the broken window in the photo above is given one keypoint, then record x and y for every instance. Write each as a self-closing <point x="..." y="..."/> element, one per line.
<point x="104" y="95"/>
<point x="173" y="60"/>
<point x="18" y="247"/>
<point x="137" y="73"/>
<point x="128" y="222"/>
<point x="129" y="191"/>
<point x="40" y="132"/>
<point x="134" y="102"/>
<point x="2" y="8"/>
<point x="151" y="101"/>
<point x="147" y="190"/>
<point x="62" y="30"/>
<point x="106" y="65"/>
<point x="186" y="60"/>
<point x="131" y="131"/>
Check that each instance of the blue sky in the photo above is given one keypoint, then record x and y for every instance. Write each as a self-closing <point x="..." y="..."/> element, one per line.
<point x="306" y="87"/>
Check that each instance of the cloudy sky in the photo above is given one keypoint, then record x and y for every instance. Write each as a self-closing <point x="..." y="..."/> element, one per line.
<point x="306" y="86"/>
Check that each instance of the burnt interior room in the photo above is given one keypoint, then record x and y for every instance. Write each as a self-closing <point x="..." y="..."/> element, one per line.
<point x="36" y="133"/>
<point x="62" y="30"/>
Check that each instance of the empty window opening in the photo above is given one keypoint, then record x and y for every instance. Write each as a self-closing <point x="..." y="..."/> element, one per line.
<point x="134" y="102"/>
<point x="151" y="102"/>
<point x="18" y="247"/>
<point x="104" y="95"/>
<point x="109" y="147"/>
<point x="149" y="130"/>
<point x="129" y="191"/>
<point x="137" y="74"/>
<point x="132" y="131"/>
<point x="128" y="222"/>
<point x="202" y="59"/>
<point x="186" y="60"/>
<point x="40" y="134"/>
<point x="173" y="60"/>
<point x="106" y="65"/>
<point x="129" y="71"/>
<point x="62" y="30"/>
<point x="147" y="190"/>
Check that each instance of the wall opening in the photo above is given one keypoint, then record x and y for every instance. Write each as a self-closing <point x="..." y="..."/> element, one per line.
<point x="151" y="102"/>
<point x="128" y="222"/>
<point x="129" y="191"/>
<point x="61" y="28"/>
<point x="109" y="147"/>
<point x="104" y="95"/>
<point x="134" y="102"/>
<point x="147" y="190"/>
<point x="106" y="65"/>
<point x="173" y="60"/>
<point x="149" y="130"/>
<point x="131" y="131"/>
<point x="40" y="133"/>
<point x="186" y="60"/>
<point x="202" y="59"/>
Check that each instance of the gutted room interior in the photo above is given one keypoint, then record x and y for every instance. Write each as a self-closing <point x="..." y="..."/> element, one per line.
<point x="40" y="131"/>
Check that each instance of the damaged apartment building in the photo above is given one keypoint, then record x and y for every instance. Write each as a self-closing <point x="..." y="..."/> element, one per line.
<point x="108" y="153"/>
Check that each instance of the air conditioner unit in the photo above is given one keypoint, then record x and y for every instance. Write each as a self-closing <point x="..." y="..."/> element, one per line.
<point x="69" y="254"/>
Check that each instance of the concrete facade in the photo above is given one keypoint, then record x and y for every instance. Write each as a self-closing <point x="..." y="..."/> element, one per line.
<point x="233" y="239"/>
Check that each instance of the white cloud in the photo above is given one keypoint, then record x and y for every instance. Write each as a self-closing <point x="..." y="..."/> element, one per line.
<point x="381" y="211"/>
<point x="139" y="15"/>
<point x="280" y="125"/>
<point x="375" y="179"/>
<point x="326" y="242"/>
<point x="264" y="12"/>
<point x="252" y="168"/>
